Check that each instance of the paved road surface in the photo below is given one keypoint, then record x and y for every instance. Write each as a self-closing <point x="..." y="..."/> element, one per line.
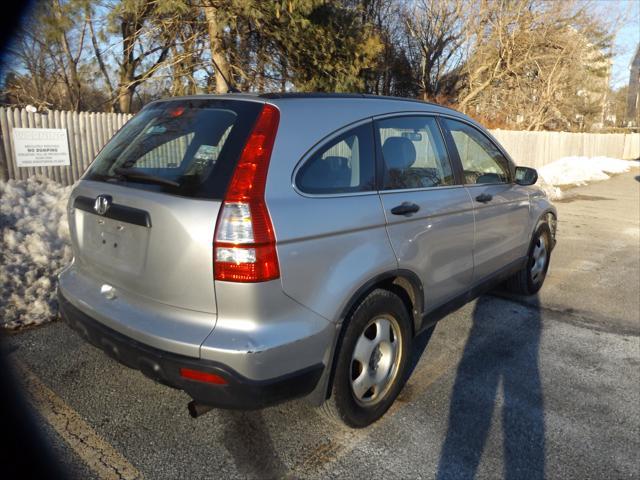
<point x="546" y="386"/>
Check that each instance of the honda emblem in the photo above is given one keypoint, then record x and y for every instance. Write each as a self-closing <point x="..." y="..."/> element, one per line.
<point x="102" y="204"/>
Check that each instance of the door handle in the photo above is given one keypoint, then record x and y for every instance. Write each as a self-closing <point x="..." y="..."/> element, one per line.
<point x="484" y="198"/>
<point x="405" y="208"/>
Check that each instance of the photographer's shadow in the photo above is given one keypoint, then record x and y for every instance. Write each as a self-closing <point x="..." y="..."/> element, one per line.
<point x="500" y="351"/>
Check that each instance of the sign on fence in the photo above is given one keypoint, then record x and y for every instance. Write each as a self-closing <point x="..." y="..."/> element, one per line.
<point x="41" y="147"/>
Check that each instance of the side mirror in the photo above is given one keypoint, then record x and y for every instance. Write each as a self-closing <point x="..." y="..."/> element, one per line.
<point x="526" y="176"/>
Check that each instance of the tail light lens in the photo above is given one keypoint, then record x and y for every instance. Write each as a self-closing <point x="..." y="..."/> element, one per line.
<point x="202" y="376"/>
<point x="244" y="247"/>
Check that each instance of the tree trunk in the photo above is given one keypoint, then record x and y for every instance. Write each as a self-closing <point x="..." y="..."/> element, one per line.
<point x="177" y="87"/>
<point x="100" y="60"/>
<point x="217" y="51"/>
<point x="126" y="85"/>
<point x="73" y="84"/>
<point x="188" y="65"/>
<point x="125" y="98"/>
<point x="284" y="76"/>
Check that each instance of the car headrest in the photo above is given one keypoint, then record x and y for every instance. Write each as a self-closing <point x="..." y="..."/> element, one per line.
<point x="328" y="172"/>
<point x="398" y="152"/>
<point x="340" y="170"/>
<point x="489" y="178"/>
<point x="336" y="162"/>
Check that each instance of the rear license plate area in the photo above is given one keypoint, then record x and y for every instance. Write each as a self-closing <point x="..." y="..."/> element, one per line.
<point x="115" y="245"/>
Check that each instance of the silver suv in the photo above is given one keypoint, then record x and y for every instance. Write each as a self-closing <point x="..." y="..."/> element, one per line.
<point x="249" y="249"/>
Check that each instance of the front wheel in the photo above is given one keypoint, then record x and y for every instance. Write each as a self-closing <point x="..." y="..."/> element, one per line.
<point x="371" y="363"/>
<point x="530" y="278"/>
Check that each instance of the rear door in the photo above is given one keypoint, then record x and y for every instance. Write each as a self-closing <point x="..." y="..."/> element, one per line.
<point x="501" y="206"/>
<point x="429" y="214"/>
<point x="332" y="237"/>
<point x="143" y="217"/>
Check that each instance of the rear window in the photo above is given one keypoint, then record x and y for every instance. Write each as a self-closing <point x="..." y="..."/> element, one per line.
<point x="182" y="147"/>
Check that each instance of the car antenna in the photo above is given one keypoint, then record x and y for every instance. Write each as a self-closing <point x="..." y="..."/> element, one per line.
<point x="230" y="88"/>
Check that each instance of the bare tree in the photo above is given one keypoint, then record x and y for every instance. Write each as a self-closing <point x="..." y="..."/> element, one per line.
<point x="37" y="84"/>
<point x="435" y="31"/>
<point x="49" y="58"/>
<point x="213" y="13"/>
<point x="99" y="55"/>
<point x="527" y="64"/>
<point x="144" y="43"/>
<point x="61" y="23"/>
<point x="534" y="63"/>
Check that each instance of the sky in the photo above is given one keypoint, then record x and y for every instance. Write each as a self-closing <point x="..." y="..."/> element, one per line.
<point x="626" y="40"/>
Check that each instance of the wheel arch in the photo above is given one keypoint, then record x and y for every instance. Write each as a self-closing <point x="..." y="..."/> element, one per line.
<point x="550" y="218"/>
<point x="404" y="283"/>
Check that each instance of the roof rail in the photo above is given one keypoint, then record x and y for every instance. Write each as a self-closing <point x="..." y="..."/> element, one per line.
<point x="277" y="95"/>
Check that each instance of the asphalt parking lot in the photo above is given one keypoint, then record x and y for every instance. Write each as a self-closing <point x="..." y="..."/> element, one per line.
<point x="517" y="387"/>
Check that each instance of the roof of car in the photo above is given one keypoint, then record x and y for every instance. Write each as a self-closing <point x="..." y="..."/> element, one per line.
<point x="307" y="96"/>
<point x="326" y="95"/>
<point x="394" y="103"/>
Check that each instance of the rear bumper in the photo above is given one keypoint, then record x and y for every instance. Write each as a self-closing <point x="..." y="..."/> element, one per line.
<point x="164" y="367"/>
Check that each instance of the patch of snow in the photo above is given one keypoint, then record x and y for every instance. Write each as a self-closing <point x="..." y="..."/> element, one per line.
<point x="34" y="248"/>
<point x="579" y="171"/>
<point x="553" y="192"/>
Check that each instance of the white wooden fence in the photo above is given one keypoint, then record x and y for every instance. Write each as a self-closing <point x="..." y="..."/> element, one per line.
<point x="88" y="132"/>
<point x="536" y="149"/>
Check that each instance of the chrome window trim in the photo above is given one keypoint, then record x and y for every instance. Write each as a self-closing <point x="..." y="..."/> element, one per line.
<point x="421" y="189"/>
<point x="472" y="185"/>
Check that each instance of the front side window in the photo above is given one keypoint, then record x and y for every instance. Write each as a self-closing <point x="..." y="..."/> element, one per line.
<point x="481" y="160"/>
<point x="344" y="165"/>
<point x="413" y="153"/>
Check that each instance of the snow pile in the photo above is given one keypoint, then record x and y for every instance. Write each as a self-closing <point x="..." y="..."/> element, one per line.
<point x="578" y="171"/>
<point x="34" y="247"/>
<point x="554" y="193"/>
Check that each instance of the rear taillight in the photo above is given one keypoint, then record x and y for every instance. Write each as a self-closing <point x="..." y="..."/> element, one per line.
<point x="202" y="376"/>
<point x="244" y="248"/>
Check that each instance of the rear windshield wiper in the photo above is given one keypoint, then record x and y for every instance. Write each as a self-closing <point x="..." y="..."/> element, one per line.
<point x="139" y="175"/>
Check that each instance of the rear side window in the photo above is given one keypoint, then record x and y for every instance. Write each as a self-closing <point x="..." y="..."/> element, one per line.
<point x="182" y="147"/>
<point x="344" y="165"/>
<point x="414" y="153"/>
<point x="481" y="160"/>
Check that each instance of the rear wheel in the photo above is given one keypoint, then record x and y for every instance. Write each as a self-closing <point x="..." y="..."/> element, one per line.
<point x="371" y="363"/>
<point x="530" y="279"/>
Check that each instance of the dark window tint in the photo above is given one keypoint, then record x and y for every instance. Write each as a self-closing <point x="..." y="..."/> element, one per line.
<point x="345" y="164"/>
<point x="481" y="160"/>
<point x="183" y="147"/>
<point x="414" y="153"/>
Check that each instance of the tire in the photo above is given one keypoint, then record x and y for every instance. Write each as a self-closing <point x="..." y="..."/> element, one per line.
<point x="530" y="278"/>
<point x="371" y="360"/>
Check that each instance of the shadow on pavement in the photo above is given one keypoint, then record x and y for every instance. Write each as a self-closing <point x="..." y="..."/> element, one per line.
<point x="499" y="351"/>
<point x="247" y="438"/>
<point x="420" y="343"/>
